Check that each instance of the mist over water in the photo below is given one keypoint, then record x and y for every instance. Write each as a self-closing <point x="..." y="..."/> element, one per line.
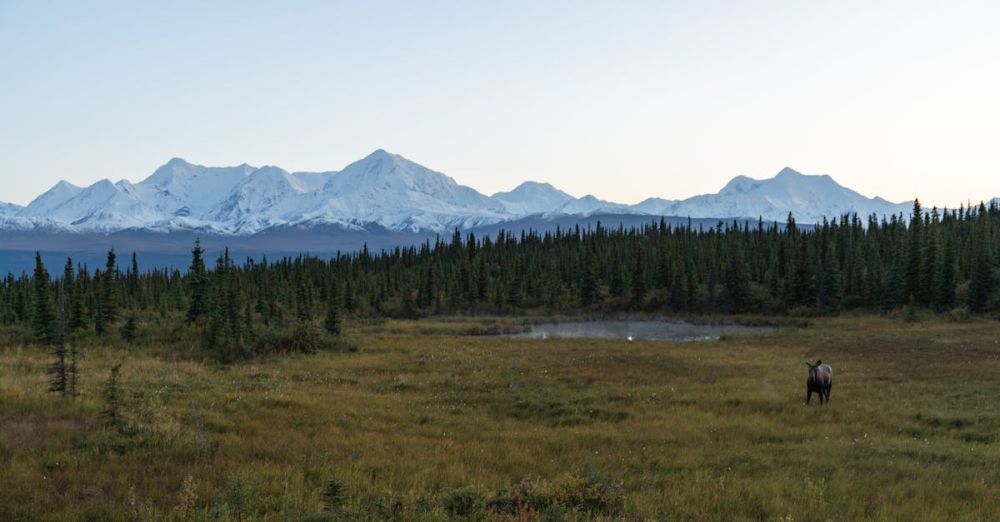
<point x="637" y="330"/>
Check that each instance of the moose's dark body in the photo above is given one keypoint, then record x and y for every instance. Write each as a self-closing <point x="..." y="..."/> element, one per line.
<point x="820" y="381"/>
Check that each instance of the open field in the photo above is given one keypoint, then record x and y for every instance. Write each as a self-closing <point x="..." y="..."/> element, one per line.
<point x="424" y="423"/>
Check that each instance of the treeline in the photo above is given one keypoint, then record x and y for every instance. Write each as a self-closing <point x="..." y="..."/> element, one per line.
<point x="939" y="260"/>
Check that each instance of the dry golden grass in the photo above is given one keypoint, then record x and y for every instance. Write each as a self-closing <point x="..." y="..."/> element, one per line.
<point x="425" y="424"/>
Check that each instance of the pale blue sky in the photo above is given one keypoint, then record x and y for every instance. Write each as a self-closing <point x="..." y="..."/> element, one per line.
<point x="624" y="100"/>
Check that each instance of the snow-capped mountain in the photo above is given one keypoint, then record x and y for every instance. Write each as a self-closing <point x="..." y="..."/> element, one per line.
<point x="103" y="206"/>
<point x="655" y="206"/>
<point x="532" y="197"/>
<point x="589" y="205"/>
<point x="9" y="209"/>
<point x="397" y="193"/>
<point x="393" y="193"/>
<point x="181" y="189"/>
<point x="51" y="199"/>
<point x="808" y="198"/>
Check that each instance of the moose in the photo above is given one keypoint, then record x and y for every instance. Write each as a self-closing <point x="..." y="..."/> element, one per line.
<point x="820" y="381"/>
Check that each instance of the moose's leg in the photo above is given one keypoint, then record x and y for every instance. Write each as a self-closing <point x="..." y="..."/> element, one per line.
<point x="809" y="395"/>
<point x="828" y="388"/>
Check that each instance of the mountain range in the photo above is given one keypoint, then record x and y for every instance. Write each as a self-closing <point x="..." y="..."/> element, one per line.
<point x="391" y="193"/>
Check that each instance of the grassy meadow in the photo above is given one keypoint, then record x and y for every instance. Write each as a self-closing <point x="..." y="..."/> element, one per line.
<point x="426" y="422"/>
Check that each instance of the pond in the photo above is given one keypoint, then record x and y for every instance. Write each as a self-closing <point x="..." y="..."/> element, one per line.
<point x="638" y="330"/>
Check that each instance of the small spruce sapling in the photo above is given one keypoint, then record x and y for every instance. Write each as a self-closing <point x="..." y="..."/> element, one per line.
<point x="112" y="399"/>
<point x="129" y="331"/>
<point x="332" y="322"/>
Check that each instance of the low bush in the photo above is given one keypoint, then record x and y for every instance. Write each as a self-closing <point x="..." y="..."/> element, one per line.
<point x="464" y="502"/>
<point x="298" y="338"/>
<point x="569" y="492"/>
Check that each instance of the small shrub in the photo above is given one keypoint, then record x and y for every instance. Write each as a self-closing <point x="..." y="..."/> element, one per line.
<point x="959" y="315"/>
<point x="332" y="323"/>
<point x="389" y="508"/>
<point x="305" y="338"/>
<point x="237" y="497"/>
<point x="112" y="400"/>
<point x="551" y="499"/>
<point x="802" y="311"/>
<point x="585" y="494"/>
<point x="299" y="338"/>
<point x="514" y="500"/>
<point x="464" y="502"/>
<point x="186" y="498"/>
<point x="129" y="331"/>
<point x="334" y="494"/>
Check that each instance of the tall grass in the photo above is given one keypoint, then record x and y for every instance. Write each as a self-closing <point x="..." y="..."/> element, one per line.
<point x="423" y="423"/>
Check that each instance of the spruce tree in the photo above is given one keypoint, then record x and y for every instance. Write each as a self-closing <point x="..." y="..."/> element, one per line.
<point x="77" y="305"/>
<point x="133" y="280"/>
<point x="74" y="376"/>
<point x="408" y="305"/>
<point x="929" y="270"/>
<point x="198" y="284"/>
<point x="638" y="276"/>
<point x="303" y="303"/>
<point x="218" y="335"/>
<point x="58" y="372"/>
<point x="677" y="297"/>
<point x="100" y="327"/>
<point x="108" y="305"/>
<point x="946" y="277"/>
<point x="981" y="277"/>
<point x="830" y="288"/>
<point x="225" y="335"/>
<point x="112" y="400"/>
<point x="737" y="282"/>
<point x="129" y="331"/>
<point x="43" y="316"/>
<point x="894" y="284"/>
<point x="804" y="282"/>
<point x="332" y="322"/>
<point x="68" y="283"/>
<point x="589" y="290"/>
<point x="914" y="258"/>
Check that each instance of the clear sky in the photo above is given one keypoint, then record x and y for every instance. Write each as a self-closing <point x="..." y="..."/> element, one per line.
<point x="624" y="100"/>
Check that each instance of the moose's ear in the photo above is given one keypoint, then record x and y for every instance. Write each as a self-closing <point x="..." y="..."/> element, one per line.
<point x="818" y="362"/>
<point x="809" y="365"/>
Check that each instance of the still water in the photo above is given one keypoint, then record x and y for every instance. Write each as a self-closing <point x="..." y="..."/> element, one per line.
<point x="637" y="330"/>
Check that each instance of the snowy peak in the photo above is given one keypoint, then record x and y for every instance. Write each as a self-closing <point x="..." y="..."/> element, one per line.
<point x="9" y="209"/>
<point x="532" y="197"/>
<point x="52" y="198"/>
<point x="103" y="206"/>
<point x="180" y="188"/>
<point x="390" y="189"/>
<point x="655" y="206"/>
<point x="178" y="173"/>
<point x="381" y="170"/>
<point x="248" y="206"/>
<point x="787" y="172"/>
<point x="589" y="205"/>
<point x="532" y="189"/>
<point x="171" y="171"/>
<point x="742" y="184"/>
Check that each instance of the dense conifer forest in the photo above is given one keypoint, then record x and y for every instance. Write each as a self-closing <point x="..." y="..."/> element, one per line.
<point x="936" y="260"/>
